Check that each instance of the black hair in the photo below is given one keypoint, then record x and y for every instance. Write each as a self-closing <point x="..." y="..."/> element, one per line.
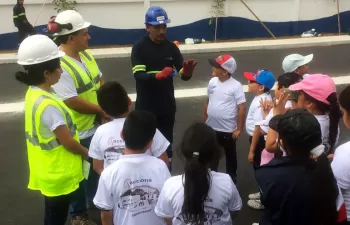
<point x="34" y="74"/>
<point x="344" y="99"/>
<point x="139" y="129"/>
<point x="113" y="99"/>
<point x="334" y="113"/>
<point x="287" y="79"/>
<point x="324" y="189"/>
<point x="64" y="38"/>
<point x="201" y="150"/>
<point x="267" y="90"/>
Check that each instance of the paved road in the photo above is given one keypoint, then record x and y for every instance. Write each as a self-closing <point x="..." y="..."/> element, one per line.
<point x="20" y="206"/>
<point x="327" y="60"/>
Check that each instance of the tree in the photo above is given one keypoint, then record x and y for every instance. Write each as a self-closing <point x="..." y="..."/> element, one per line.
<point x="218" y="10"/>
<point x="62" y="5"/>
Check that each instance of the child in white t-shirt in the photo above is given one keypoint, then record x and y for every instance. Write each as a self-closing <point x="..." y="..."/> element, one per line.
<point x="107" y="145"/>
<point x="225" y="108"/>
<point x="340" y="164"/>
<point x="259" y="84"/>
<point x="262" y="127"/>
<point x="317" y="94"/>
<point x="296" y="63"/>
<point x="128" y="189"/>
<point x="181" y="199"/>
<point x="283" y="83"/>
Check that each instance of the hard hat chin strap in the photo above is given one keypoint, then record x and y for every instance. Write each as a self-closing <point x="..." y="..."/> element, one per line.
<point x="54" y="27"/>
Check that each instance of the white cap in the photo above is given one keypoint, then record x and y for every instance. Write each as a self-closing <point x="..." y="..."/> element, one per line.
<point x="73" y="17"/>
<point x="293" y="61"/>
<point x="37" y="49"/>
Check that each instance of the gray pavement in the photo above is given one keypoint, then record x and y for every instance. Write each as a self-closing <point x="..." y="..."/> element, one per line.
<point x="20" y="206"/>
<point x="329" y="59"/>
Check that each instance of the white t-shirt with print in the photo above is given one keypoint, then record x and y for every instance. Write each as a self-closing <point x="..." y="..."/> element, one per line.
<point x="341" y="169"/>
<point x="65" y="89"/>
<point x="223" y="198"/>
<point x="107" y="144"/>
<point x="224" y="98"/>
<point x="255" y="113"/>
<point x="131" y="187"/>
<point x="324" y="123"/>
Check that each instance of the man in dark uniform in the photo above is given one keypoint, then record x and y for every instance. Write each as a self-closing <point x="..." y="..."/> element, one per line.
<point x="155" y="62"/>
<point x="21" y="22"/>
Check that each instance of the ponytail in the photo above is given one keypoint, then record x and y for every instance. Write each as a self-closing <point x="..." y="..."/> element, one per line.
<point x="201" y="150"/>
<point x="34" y="74"/>
<point x="23" y="77"/>
<point x="335" y="115"/>
<point x="196" y="189"/>
<point x="324" y="193"/>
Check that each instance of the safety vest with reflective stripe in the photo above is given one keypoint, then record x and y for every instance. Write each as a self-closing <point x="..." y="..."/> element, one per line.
<point x="87" y="82"/>
<point x="19" y="15"/>
<point x="142" y="68"/>
<point x="54" y="170"/>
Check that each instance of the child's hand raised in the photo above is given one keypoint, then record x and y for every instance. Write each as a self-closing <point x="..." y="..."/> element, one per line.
<point x="266" y="106"/>
<point x="280" y="103"/>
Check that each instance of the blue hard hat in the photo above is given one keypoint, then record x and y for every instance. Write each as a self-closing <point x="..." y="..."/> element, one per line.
<point x="156" y="16"/>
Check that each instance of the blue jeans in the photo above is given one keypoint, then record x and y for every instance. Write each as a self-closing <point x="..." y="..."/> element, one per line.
<point x="87" y="191"/>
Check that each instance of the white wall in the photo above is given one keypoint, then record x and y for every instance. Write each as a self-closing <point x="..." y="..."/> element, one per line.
<point x="129" y="14"/>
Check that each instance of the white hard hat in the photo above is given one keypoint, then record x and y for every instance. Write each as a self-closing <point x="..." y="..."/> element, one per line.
<point x="37" y="49"/>
<point x="293" y="61"/>
<point x="72" y="17"/>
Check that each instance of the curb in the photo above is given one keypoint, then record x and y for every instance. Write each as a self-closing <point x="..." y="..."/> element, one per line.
<point x="124" y="52"/>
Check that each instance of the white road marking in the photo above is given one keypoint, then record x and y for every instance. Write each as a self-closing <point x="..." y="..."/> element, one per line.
<point x="182" y="93"/>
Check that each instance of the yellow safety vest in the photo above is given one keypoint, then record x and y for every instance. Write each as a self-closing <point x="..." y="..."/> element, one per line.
<point x="87" y="82"/>
<point x="54" y="170"/>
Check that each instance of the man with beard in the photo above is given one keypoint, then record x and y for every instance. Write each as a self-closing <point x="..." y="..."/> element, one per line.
<point x="21" y="22"/>
<point x="155" y="62"/>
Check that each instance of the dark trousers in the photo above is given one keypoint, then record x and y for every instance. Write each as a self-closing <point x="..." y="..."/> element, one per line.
<point x="56" y="208"/>
<point x="24" y="31"/>
<point x="229" y="145"/>
<point x="258" y="150"/>
<point x="87" y="191"/>
<point x="166" y="127"/>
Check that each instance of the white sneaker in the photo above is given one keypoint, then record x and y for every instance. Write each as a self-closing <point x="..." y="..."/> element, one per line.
<point x="255" y="196"/>
<point x="255" y="224"/>
<point x="255" y="204"/>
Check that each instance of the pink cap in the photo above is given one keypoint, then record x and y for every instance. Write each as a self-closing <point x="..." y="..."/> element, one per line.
<point x="318" y="86"/>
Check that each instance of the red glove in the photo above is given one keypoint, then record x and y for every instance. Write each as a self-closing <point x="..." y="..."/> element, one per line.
<point x="165" y="73"/>
<point x="188" y="67"/>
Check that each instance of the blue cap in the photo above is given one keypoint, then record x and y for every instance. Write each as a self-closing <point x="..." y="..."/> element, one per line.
<point x="156" y="16"/>
<point x="262" y="77"/>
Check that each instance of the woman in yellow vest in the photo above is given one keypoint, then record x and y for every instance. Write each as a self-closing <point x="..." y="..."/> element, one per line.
<point x="54" y="152"/>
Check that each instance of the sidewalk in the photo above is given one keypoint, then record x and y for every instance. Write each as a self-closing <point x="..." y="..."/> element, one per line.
<point x="124" y="52"/>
